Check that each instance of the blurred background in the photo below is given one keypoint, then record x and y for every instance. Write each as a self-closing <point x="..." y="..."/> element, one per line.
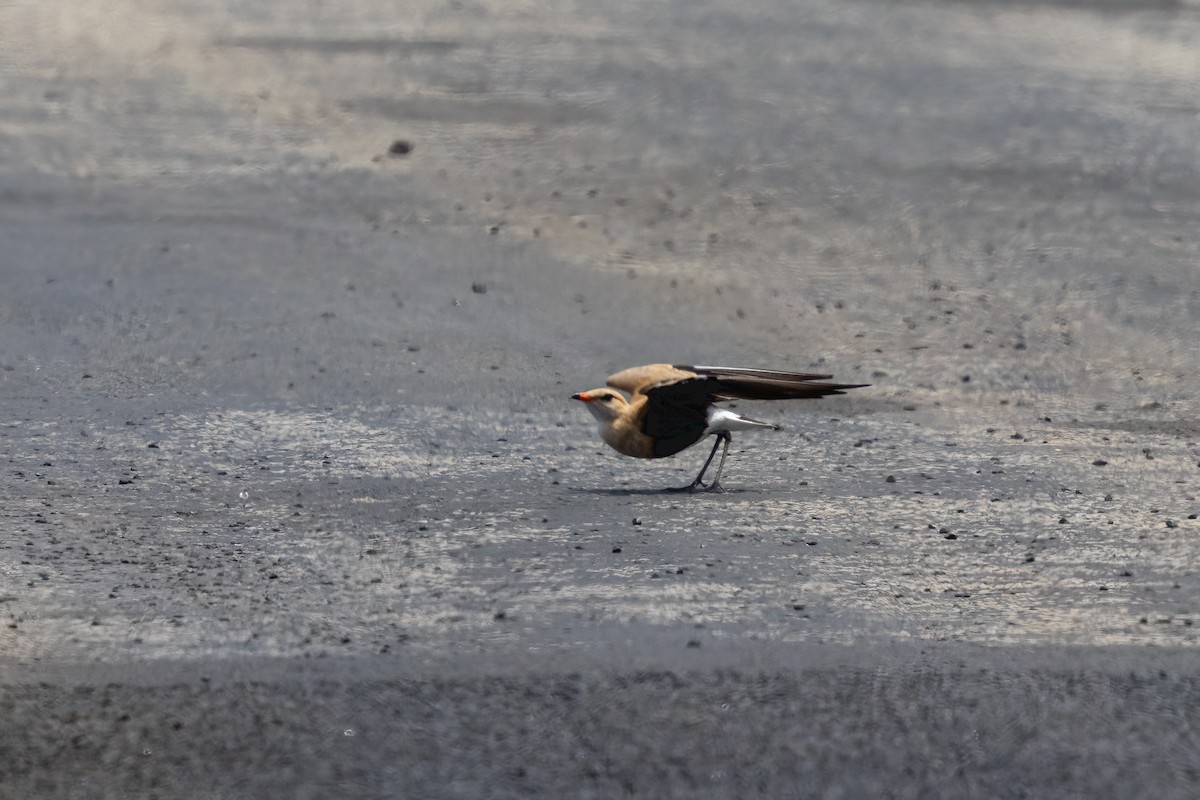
<point x="929" y="190"/>
<point x="293" y="295"/>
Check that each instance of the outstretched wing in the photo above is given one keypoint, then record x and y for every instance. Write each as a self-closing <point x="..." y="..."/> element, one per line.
<point x="768" y="384"/>
<point x="674" y="400"/>
<point x="750" y="372"/>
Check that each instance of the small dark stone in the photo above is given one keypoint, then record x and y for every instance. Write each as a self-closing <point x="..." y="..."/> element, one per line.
<point x="890" y="479"/>
<point x="637" y="521"/>
<point x="400" y="147"/>
<point x="1016" y="436"/>
<point x="616" y="549"/>
<point x="693" y="643"/>
<point x="951" y="536"/>
<point x="1172" y="523"/>
<point x="1062" y="520"/>
<point x="479" y="288"/>
<point x="1099" y="462"/>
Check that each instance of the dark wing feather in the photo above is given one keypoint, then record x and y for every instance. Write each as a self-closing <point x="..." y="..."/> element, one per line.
<point x="769" y="384"/>
<point x="769" y="374"/>
<point x="763" y="389"/>
<point x="676" y="413"/>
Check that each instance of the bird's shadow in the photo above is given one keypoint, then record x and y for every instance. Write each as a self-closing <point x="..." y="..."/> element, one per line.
<point x="670" y="491"/>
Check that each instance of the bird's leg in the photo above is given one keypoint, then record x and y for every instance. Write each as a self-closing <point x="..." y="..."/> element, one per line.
<point x="726" y="438"/>
<point x="699" y="484"/>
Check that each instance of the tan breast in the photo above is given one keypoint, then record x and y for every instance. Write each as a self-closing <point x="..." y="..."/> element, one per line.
<point x="625" y="433"/>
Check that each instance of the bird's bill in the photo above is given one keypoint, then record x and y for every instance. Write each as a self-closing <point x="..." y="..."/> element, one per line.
<point x="582" y="396"/>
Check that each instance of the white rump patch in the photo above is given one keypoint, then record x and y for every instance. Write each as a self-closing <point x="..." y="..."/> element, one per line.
<point x="722" y="419"/>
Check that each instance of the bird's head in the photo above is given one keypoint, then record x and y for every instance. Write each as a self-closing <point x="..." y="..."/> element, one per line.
<point x="605" y="404"/>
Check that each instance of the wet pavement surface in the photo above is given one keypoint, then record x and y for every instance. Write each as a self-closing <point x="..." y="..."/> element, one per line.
<point x="295" y="503"/>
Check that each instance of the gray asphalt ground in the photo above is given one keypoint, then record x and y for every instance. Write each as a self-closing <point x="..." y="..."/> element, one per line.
<point x="295" y="504"/>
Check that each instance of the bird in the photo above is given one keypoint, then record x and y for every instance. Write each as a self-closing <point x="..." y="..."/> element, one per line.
<point x="672" y="407"/>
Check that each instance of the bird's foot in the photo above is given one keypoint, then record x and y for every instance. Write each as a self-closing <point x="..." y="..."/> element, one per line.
<point x="699" y="486"/>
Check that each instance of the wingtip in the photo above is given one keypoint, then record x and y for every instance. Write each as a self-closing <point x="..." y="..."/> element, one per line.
<point x="753" y="372"/>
